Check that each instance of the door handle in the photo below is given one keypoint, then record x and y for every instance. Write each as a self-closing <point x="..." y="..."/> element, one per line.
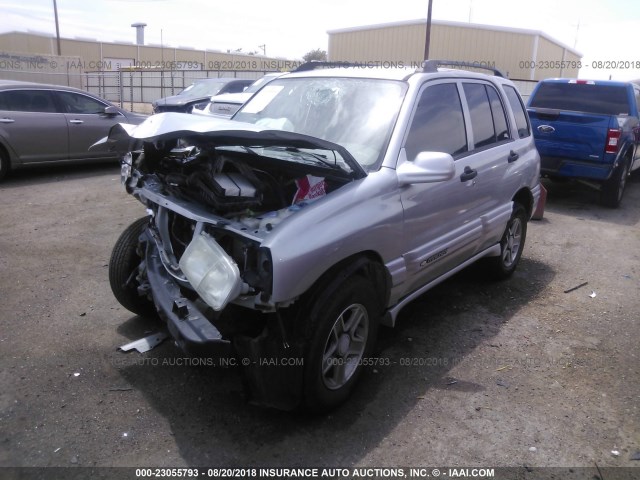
<point x="76" y="122"/>
<point x="7" y="120"/>
<point x="468" y="174"/>
<point x="513" y="156"/>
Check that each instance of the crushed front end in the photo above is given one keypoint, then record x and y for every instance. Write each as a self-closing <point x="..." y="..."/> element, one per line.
<point x="211" y="201"/>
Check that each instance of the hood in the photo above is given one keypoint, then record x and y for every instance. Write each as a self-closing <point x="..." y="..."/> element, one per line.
<point x="181" y="100"/>
<point x="221" y="132"/>
<point x="239" y="98"/>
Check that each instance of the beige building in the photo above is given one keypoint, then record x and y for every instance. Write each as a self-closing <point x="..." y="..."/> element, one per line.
<point x="123" y="72"/>
<point x="95" y="56"/>
<point x="522" y="54"/>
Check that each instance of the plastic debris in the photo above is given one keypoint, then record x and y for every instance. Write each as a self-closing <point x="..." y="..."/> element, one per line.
<point x="76" y="374"/>
<point x="74" y="459"/>
<point x="615" y="453"/>
<point x="593" y="294"/>
<point x="576" y="287"/>
<point x="533" y="449"/>
<point x="57" y="450"/>
<point x="145" y="344"/>
<point x="635" y="456"/>
<point x="506" y="367"/>
<point x="502" y="383"/>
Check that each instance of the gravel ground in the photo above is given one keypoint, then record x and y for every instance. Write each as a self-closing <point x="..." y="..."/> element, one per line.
<point x="516" y="373"/>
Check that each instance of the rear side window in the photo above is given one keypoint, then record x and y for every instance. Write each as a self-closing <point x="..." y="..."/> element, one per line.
<point x="438" y="124"/>
<point x="582" y="97"/>
<point x="522" y="119"/>
<point x="488" y="120"/>
<point x="40" y="101"/>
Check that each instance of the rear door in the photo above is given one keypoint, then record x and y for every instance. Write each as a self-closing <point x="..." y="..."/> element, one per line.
<point x="87" y="123"/>
<point x="492" y="159"/>
<point x="32" y="127"/>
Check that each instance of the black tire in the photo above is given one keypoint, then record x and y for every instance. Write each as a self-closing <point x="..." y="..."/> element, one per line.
<point x="344" y="326"/>
<point x="613" y="189"/>
<point x="5" y="164"/>
<point x="122" y="265"/>
<point x="511" y="245"/>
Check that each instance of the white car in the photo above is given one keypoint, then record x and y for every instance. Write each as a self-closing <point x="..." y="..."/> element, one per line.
<point x="227" y="104"/>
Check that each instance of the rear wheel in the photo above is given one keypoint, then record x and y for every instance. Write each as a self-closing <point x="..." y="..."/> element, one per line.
<point x="511" y="245"/>
<point x="123" y="270"/>
<point x="613" y="189"/>
<point x="344" y="326"/>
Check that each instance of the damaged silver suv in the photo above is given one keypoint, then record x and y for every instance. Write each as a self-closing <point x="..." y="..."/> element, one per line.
<point x="335" y="196"/>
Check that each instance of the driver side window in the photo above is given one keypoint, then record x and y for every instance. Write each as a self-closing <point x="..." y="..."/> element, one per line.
<point x="438" y="124"/>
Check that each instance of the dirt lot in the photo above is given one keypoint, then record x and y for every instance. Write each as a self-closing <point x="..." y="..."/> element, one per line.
<point x="477" y="373"/>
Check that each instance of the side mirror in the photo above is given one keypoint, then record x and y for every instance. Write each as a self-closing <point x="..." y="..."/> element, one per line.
<point x="427" y="167"/>
<point x="111" y="110"/>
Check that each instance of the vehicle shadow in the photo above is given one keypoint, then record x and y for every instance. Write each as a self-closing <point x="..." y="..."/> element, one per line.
<point x="56" y="173"/>
<point x="579" y="200"/>
<point x="213" y="425"/>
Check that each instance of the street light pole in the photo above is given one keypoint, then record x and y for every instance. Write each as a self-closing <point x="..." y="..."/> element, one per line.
<point x="427" y="39"/>
<point x="55" y="12"/>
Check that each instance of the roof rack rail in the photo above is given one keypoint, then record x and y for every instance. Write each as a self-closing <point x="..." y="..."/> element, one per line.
<point x="431" y="66"/>
<point x="315" y="64"/>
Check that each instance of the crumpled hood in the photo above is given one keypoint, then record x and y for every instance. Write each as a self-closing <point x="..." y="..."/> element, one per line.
<point x="220" y="131"/>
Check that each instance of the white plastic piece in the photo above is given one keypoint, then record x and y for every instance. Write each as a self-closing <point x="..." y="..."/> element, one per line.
<point x="145" y="344"/>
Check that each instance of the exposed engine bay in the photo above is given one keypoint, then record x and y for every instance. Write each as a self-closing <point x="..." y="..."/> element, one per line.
<point x="236" y="195"/>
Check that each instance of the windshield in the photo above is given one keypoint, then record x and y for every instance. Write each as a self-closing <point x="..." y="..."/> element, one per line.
<point x="356" y="113"/>
<point x="203" y="89"/>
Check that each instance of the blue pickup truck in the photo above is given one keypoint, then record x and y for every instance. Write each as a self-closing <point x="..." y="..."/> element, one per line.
<point x="588" y="130"/>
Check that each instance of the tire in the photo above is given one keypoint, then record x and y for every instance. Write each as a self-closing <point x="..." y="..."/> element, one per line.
<point x="511" y="245"/>
<point x="344" y="325"/>
<point x="122" y="265"/>
<point x="613" y="189"/>
<point x="5" y="164"/>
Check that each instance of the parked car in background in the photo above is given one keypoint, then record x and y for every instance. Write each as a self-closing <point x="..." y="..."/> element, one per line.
<point x="332" y="199"/>
<point x="226" y="104"/>
<point x="199" y="93"/>
<point x="588" y="130"/>
<point x="42" y="124"/>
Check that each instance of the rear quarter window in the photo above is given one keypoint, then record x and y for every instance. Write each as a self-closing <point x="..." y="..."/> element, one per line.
<point x="522" y="119"/>
<point x="582" y="97"/>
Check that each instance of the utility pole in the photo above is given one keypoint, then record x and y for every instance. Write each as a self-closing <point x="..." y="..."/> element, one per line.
<point x="427" y="39"/>
<point x="55" y="12"/>
<point x="264" y="49"/>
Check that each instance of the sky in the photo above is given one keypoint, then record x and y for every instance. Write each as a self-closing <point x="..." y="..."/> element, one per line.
<point x="606" y="33"/>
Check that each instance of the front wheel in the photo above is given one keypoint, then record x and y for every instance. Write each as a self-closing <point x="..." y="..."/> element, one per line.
<point x="123" y="269"/>
<point x="613" y="188"/>
<point x="344" y="325"/>
<point x="511" y="245"/>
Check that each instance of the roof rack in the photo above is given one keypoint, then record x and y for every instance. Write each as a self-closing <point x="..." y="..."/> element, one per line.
<point x="315" y="64"/>
<point x="431" y="66"/>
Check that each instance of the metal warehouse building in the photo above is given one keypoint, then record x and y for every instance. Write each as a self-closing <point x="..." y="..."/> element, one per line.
<point x="527" y="55"/>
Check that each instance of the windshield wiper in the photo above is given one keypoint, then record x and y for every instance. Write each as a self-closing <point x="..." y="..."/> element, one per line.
<point x="320" y="158"/>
